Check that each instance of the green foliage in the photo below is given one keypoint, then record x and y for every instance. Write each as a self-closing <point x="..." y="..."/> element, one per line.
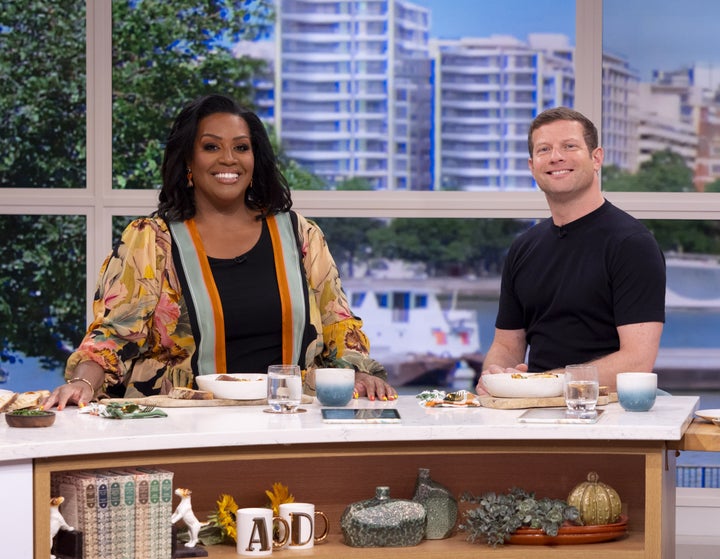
<point x="498" y="516"/>
<point x="349" y="239"/>
<point x="447" y="246"/>
<point x="42" y="285"/>
<point x="42" y="93"/>
<point x="666" y="171"/>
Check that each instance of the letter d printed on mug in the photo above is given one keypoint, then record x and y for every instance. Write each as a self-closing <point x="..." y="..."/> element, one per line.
<point x="636" y="391"/>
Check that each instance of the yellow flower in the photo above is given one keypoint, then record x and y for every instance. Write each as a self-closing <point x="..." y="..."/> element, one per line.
<point x="224" y="517"/>
<point x="280" y="494"/>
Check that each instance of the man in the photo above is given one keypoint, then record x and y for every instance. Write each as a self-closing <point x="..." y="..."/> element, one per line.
<point x="585" y="285"/>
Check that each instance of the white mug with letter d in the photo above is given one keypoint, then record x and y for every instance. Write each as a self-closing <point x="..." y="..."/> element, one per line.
<point x="302" y="518"/>
<point x="255" y="532"/>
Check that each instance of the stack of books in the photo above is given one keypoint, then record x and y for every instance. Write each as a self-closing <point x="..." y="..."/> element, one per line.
<point x="122" y="513"/>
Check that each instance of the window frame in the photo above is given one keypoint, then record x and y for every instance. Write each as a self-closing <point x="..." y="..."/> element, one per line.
<point x="99" y="202"/>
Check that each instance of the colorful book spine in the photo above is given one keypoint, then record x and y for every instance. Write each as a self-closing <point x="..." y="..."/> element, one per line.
<point x="144" y="528"/>
<point x="79" y="489"/>
<point x="121" y="493"/>
<point x="104" y="517"/>
<point x="160" y="498"/>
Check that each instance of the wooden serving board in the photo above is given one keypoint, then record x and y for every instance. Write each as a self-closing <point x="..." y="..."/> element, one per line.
<point x="524" y="403"/>
<point x="167" y="402"/>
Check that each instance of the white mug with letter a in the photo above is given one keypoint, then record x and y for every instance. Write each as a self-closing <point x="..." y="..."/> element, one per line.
<point x="255" y="532"/>
<point x="302" y="518"/>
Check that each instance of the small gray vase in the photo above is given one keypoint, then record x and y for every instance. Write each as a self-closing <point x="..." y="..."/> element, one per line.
<point x="441" y="506"/>
<point x="383" y="522"/>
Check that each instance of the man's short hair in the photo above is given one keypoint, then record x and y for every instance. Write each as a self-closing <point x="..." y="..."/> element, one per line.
<point x="590" y="133"/>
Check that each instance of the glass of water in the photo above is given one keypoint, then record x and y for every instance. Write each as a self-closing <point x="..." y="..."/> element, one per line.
<point x="284" y="388"/>
<point x="581" y="390"/>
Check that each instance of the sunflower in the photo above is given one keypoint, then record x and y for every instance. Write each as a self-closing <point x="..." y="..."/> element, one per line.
<point x="224" y="516"/>
<point x="280" y="494"/>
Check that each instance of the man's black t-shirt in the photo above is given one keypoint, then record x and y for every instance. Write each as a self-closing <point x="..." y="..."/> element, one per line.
<point x="570" y="287"/>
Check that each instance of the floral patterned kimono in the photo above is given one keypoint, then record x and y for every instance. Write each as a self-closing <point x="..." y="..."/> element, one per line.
<point x="141" y="332"/>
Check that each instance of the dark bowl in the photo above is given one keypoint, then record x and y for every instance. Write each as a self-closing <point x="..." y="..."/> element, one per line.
<point x="36" y="419"/>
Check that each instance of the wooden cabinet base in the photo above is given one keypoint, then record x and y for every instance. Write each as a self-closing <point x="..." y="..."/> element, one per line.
<point x="333" y="475"/>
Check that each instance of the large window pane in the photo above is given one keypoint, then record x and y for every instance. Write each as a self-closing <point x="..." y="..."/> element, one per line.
<point x="660" y="95"/>
<point x="42" y="94"/>
<point x="42" y="297"/>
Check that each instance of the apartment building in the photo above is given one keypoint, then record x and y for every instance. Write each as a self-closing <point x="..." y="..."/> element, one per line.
<point x="487" y="92"/>
<point x="353" y="90"/>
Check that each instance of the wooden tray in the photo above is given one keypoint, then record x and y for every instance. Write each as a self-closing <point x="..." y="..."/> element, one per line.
<point x="569" y="535"/>
<point x="167" y="402"/>
<point x="524" y="403"/>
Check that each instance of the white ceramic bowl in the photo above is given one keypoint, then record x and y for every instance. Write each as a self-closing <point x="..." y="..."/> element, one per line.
<point x="503" y="385"/>
<point x="249" y="386"/>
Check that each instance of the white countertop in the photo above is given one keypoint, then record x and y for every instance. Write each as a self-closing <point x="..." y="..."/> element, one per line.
<point x="75" y="434"/>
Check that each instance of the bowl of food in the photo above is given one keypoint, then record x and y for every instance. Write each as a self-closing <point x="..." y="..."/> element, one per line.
<point x="523" y="385"/>
<point x="234" y="386"/>
<point x="30" y="418"/>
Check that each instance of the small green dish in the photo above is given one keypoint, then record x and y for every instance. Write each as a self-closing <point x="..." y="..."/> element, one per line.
<point x="30" y="418"/>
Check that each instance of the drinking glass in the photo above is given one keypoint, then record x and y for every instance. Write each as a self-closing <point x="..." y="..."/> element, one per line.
<point x="284" y="388"/>
<point x="582" y="389"/>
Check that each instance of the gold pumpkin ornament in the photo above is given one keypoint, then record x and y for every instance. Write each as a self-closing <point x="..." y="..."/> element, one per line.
<point x="597" y="502"/>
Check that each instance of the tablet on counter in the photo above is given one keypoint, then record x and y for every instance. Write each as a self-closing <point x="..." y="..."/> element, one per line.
<point x="367" y="415"/>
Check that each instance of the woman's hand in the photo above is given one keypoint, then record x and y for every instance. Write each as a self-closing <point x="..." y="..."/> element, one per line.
<point x="87" y="379"/>
<point x="78" y="393"/>
<point x="373" y="387"/>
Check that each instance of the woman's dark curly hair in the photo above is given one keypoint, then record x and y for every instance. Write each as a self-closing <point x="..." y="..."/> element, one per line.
<point x="270" y="193"/>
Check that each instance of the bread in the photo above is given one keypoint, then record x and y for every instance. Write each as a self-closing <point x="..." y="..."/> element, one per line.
<point x="7" y="398"/>
<point x="26" y="400"/>
<point x="181" y="393"/>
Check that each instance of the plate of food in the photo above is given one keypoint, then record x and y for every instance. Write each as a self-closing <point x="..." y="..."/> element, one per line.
<point x="523" y="385"/>
<point x="708" y="415"/>
<point x="234" y="386"/>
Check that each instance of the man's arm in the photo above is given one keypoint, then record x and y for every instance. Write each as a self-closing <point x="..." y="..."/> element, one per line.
<point x="639" y="345"/>
<point x="507" y="351"/>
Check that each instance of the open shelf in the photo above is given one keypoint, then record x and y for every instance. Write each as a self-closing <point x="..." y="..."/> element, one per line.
<point x="334" y="475"/>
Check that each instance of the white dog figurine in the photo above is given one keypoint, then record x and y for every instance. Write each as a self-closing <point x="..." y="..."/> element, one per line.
<point x="57" y="522"/>
<point x="184" y="511"/>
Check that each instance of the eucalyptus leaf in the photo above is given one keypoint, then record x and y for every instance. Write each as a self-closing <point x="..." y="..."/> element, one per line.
<point x="499" y="516"/>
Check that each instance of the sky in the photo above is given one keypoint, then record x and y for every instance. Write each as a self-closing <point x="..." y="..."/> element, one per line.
<point x="651" y="34"/>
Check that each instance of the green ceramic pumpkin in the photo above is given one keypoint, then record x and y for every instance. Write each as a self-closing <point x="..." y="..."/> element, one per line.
<point x="597" y="502"/>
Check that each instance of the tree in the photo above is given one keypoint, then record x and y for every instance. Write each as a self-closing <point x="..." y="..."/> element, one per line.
<point x="667" y="171"/>
<point x="614" y="179"/>
<point x="164" y="54"/>
<point x="42" y="287"/>
<point x="447" y="246"/>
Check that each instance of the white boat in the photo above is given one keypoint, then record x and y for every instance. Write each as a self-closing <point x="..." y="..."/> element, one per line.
<point x="415" y="339"/>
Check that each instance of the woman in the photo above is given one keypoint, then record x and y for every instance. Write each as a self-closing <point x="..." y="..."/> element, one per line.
<point x="222" y="278"/>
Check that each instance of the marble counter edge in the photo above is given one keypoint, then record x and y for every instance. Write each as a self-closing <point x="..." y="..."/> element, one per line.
<point x="187" y="429"/>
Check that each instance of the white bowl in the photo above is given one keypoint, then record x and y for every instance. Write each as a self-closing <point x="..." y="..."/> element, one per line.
<point x="249" y="386"/>
<point x="526" y="385"/>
